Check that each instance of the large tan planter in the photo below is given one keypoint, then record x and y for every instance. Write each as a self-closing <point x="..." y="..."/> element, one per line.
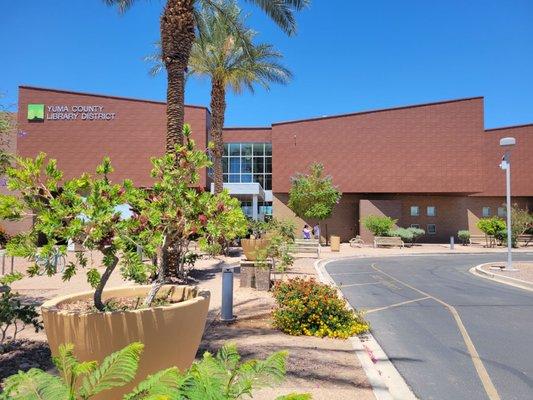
<point x="250" y="246"/>
<point x="171" y="334"/>
<point x="335" y="243"/>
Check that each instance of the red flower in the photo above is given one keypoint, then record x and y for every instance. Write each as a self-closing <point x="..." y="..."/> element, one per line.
<point x="203" y="219"/>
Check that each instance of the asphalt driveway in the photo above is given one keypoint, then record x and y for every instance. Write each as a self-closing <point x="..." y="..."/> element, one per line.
<point x="450" y="334"/>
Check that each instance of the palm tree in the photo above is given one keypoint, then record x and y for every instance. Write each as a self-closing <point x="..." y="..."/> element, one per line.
<point x="231" y="60"/>
<point x="177" y="26"/>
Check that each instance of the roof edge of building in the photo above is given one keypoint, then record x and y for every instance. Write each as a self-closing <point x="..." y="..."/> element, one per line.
<point x="45" y="89"/>
<point x="378" y="110"/>
<point x="247" y="128"/>
<point x="508" y="127"/>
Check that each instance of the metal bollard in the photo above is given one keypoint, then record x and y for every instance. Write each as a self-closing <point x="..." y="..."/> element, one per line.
<point x="227" y="295"/>
<point x="452" y="239"/>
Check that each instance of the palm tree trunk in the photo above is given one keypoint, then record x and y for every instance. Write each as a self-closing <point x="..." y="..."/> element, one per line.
<point x="218" y="109"/>
<point x="177" y="37"/>
<point x="110" y="267"/>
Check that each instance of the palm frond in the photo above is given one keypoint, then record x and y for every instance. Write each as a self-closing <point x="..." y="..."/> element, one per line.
<point x="282" y="12"/>
<point x="35" y="385"/>
<point x="164" y="383"/>
<point x="122" y="5"/>
<point x="295" y="396"/>
<point x="116" y="370"/>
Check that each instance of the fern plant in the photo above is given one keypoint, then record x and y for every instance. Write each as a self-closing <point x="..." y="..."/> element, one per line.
<point x="219" y="377"/>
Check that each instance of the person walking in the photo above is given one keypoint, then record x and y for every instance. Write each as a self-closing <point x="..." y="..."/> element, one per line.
<point x="316" y="232"/>
<point x="306" y="232"/>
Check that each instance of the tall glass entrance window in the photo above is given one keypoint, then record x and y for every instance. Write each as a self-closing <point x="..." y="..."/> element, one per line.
<point x="247" y="163"/>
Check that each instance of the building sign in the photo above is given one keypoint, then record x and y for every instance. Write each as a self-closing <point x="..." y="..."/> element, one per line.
<point x="35" y="112"/>
<point x="38" y="112"/>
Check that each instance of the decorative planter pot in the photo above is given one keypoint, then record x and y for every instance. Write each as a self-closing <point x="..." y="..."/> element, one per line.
<point x="250" y="246"/>
<point x="171" y="334"/>
<point x="247" y="275"/>
<point x="262" y="278"/>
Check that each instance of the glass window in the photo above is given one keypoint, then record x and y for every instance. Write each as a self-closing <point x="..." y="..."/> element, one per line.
<point x="415" y="226"/>
<point x="259" y="149"/>
<point x="486" y="212"/>
<point x="225" y="178"/>
<point x="246" y="178"/>
<point x="268" y="182"/>
<point x="431" y="211"/>
<point x="234" y="165"/>
<point x="501" y="212"/>
<point x="246" y="165"/>
<point x="226" y="149"/>
<point x="415" y="211"/>
<point x="268" y="149"/>
<point x="259" y="166"/>
<point x="234" y="178"/>
<point x="246" y="149"/>
<point x="224" y="165"/>
<point x="432" y="229"/>
<point x="260" y="179"/>
<point x="268" y="165"/>
<point x="235" y="149"/>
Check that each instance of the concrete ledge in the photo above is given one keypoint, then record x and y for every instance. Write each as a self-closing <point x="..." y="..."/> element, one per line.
<point x="507" y="280"/>
<point x="386" y="381"/>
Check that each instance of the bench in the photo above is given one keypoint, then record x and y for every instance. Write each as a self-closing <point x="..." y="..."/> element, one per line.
<point x="388" y="241"/>
<point x="306" y="246"/>
<point x="485" y="240"/>
<point x="524" y="240"/>
<point x="357" y="242"/>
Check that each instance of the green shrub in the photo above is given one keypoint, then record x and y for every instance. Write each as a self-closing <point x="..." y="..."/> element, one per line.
<point x="306" y="307"/>
<point x="489" y="226"/>
<point x="379" y="225"/>
<point x="405" y="234"/>
<point x="417" y="232"/>
<point x="221" y="377"/>
<point x="14" y="315"/>
<point x="464" y="237"/>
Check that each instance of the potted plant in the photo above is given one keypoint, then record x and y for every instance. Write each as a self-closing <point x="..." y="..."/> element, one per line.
<point x="84" y="210"/>
<point x="464" y="237"/>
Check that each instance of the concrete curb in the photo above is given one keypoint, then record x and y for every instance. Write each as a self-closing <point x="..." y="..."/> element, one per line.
<point x="386" y="381"/>
<point x="479" y="271"/>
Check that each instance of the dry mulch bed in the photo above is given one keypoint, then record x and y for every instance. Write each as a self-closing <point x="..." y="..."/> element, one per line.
<point x="22" y="355"/>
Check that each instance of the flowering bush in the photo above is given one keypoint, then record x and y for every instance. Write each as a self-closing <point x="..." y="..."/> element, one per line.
<point x="307" y="307"/>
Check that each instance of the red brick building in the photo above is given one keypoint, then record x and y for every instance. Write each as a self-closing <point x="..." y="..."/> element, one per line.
<point x="431" y="165"/>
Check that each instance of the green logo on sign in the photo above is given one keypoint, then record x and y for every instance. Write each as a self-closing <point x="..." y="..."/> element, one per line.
<point x="35" y="112"/>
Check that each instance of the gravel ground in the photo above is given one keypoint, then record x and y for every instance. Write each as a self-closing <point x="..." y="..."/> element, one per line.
<point x="524" y="273"/>
<point x="23" y="355"/>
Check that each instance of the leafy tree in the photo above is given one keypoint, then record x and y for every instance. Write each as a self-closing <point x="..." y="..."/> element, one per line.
<point x="81" y="209"/>
<point x="7" y="127"/>
<point x="84" y="210"/>
<point x="225" y="53"/>
<point x="379" y="225"/>
<point x="521" y="222"/>
<point x="221" y="377"/>
<point x="177" y="27"/>
<point x="489" y="226"/>
<point x="14" y="314"/>
<point x="313" y="196"/>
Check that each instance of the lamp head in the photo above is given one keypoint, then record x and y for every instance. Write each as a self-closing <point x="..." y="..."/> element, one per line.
<point x="507" y="141"/>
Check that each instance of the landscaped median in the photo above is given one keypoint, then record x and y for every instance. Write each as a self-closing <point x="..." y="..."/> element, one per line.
<point x="522" y="277"/>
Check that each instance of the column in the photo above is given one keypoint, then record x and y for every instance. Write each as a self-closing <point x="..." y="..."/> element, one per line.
<point x="255" y="208"/>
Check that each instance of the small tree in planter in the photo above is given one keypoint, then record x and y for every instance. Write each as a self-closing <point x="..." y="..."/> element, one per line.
<point x="491" y="226"/>
<point x="80" y="209"/>
<point x="313" y="196"/>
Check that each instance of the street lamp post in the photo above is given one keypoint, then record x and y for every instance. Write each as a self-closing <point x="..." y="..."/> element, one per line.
<point x="507" y="143"/>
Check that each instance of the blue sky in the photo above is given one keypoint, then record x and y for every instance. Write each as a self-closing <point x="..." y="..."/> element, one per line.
<point x="348" y="55"/>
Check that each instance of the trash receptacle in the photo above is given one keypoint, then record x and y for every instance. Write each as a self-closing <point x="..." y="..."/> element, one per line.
<point x="335" y="242"/>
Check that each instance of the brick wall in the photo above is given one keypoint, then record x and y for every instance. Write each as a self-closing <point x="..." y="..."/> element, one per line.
<point x="418" y="149"/>
<point x="136" y="134"/>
